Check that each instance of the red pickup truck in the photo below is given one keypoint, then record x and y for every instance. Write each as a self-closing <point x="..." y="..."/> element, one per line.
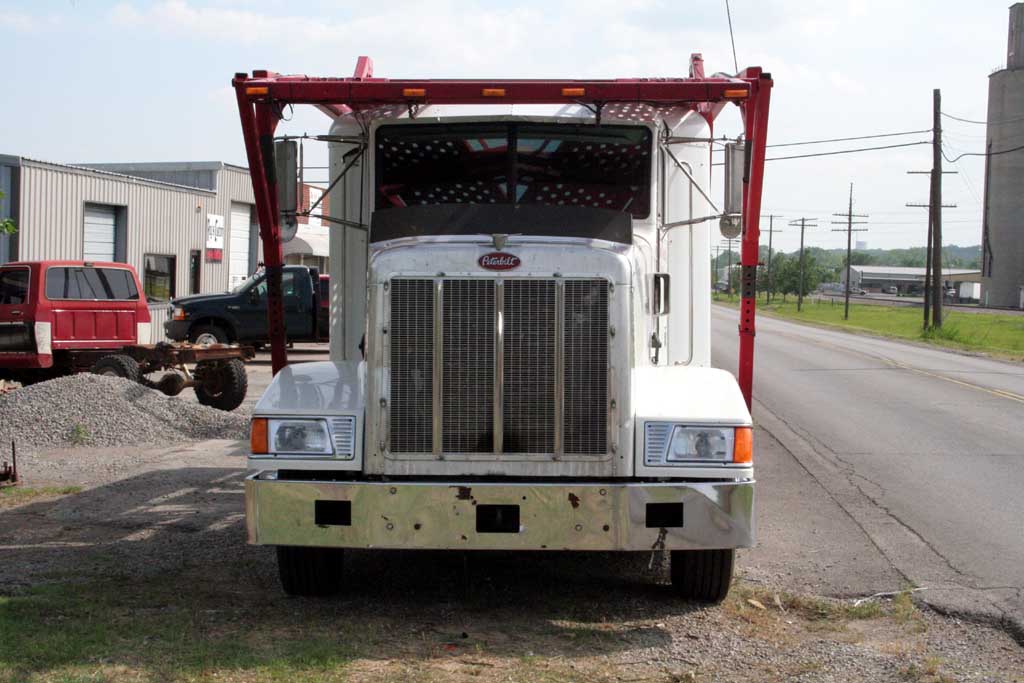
<point x="60" y="317"/>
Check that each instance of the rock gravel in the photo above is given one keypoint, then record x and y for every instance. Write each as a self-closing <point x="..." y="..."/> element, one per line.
<point x="92" y="410"/>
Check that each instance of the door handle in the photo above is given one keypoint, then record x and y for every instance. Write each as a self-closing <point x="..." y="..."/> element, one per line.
<point x="232" y="308"/>
<point x="16" y="313"/>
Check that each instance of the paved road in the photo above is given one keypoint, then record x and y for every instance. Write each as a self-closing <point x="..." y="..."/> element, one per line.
<point x="924" y="449"/>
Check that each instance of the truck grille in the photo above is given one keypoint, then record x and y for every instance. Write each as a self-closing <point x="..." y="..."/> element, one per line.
<point x="524" y="360"/>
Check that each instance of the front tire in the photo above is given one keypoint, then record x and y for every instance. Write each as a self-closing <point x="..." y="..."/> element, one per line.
<point x="702" y="575"/>
<point x="208" y="334"/>
<point x="117" y="365"/>
<point x="221" y="385"/>
<point x="310" y="572"/>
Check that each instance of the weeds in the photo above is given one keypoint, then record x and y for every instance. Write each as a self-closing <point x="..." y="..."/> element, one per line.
<point x="80" y="435"/>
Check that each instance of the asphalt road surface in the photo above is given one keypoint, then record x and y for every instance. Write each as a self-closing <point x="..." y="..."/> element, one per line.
<point x="923" y="449"/>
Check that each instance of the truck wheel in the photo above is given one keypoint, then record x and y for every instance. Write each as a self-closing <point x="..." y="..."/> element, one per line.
<point x="702" y="575"/>
<point x="208" y="334"/>
<point x="221" y="385"/>
<point x="117" y="365"/>
<point x="311" y="572"/>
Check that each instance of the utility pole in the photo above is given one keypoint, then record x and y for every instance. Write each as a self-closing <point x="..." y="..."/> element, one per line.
<point x="715" y="273"/>
<point x="771" y="229"/>
<point x="849" y="215"/>
<point x="728" y="272"/>
<point x="929" y="248"/>
<point x="803" y="223"/>
<point x="936" y="202"/>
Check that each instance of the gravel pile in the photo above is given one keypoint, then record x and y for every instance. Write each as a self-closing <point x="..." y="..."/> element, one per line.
<point x="93" y="410"/>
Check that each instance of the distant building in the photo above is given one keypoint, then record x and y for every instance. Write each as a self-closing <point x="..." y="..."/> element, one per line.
<point x="310" y="246"/>
<point x="905" y="280"/>
<point x="185" y="227"/>
<point x="1002" y="254"/>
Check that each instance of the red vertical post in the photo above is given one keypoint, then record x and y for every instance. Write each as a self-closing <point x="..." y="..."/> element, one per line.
<point x="756" y="123"/>
<point x="258" y="124"/>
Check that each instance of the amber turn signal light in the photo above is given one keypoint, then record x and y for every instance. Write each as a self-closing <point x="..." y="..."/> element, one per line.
<point x="743" y="450"/>
<point x="257" y="90"/>
<point x="258" y="436"/>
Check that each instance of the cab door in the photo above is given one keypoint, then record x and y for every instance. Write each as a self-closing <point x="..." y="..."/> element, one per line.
<point x="16" y="319"/>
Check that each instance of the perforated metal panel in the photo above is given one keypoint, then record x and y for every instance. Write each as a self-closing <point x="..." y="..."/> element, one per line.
<point x="586" y="367"/>
<point x="412" y="366"/>
<point x="528" y="405"/>
<point x="468" y="386"/>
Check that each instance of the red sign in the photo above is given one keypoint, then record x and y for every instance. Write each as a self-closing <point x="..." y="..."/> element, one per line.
<point x="496" y="260"/>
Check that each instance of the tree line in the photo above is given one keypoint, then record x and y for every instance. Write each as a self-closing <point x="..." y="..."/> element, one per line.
<point x="826" y="265"/>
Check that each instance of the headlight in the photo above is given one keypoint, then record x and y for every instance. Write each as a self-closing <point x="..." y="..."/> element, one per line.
<point x="299" y="437"/>
<point x="674" y="444"/>
<point x="178" y="313"/>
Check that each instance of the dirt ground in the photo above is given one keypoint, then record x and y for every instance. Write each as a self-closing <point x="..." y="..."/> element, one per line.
<point x="126" y="566"/>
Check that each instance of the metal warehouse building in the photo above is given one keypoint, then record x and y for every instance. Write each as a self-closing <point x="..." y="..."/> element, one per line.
<point x="186" y="227"/>
<point x="905" y="280"/>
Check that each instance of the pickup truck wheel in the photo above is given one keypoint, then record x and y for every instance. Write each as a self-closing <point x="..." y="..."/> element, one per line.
<point x="221" y="385"/>
<point x="702" y="575"/>
<point x="117" y="365"/>
<point x="311" y="572"/>
<point x="208" y="334"/>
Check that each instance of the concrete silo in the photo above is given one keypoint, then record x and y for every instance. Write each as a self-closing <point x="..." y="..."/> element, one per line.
<point x="1003" y="231"/>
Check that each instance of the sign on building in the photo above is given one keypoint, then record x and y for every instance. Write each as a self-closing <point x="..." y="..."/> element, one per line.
<point x="214" y="238"/>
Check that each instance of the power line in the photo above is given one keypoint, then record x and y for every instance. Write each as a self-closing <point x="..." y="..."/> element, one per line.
<point x="848" y="151"/>
<point x="979" y="154"/>
<point x="982" y="123"/>
<point x="859" y="137"/>
<point x="728" y="14"/>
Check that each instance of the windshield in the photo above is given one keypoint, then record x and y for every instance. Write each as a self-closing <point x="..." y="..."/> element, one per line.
<point x="246" y="284"/>
<point x="606" y="167"/>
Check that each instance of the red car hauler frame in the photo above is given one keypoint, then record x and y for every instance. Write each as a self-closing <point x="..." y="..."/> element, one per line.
<point x="263" y="97"/>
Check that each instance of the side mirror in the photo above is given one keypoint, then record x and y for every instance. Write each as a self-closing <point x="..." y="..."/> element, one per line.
<point x="286" y="167"/>
<point x="731" y="223"/>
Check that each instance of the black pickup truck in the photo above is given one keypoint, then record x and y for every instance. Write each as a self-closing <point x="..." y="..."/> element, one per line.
<point x="240" y="315"/>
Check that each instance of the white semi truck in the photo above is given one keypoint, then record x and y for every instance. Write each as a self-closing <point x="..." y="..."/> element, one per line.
<point x="520" y="310"/>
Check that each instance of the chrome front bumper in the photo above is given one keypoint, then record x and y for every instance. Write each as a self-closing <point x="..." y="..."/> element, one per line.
<point x="495" y="516"/>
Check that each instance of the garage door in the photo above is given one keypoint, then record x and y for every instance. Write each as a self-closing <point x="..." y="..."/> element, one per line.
<point x="100" y="233"/>
<point x="238" y="246"/>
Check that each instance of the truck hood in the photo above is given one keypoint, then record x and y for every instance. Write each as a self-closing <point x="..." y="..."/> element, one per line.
<point x="194" y="299"/>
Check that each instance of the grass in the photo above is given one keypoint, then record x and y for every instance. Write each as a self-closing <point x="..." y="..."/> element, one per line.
<point x="79" y="435"/>
<point x="156" y="629"/>
<point x="16" y="495"/>
<point x="995" y="333"/>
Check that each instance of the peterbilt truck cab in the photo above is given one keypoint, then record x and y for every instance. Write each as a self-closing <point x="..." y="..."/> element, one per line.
<point x="520" y="350"/>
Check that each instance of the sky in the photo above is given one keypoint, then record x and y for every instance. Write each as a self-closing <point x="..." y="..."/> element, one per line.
<point x="93" y="81"/>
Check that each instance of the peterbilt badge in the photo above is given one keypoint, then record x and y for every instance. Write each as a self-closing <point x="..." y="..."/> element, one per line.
<point x="497" y="260"/>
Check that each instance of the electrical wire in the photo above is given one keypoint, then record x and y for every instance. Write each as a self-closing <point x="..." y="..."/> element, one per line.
<point x="859" y="137"/>
<point x="980" y="154"/>
<point x="848" y="151"/>
<point x="724" y="141"/>
<point x="982" y="123"/>
<point x="728" y="14"/>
